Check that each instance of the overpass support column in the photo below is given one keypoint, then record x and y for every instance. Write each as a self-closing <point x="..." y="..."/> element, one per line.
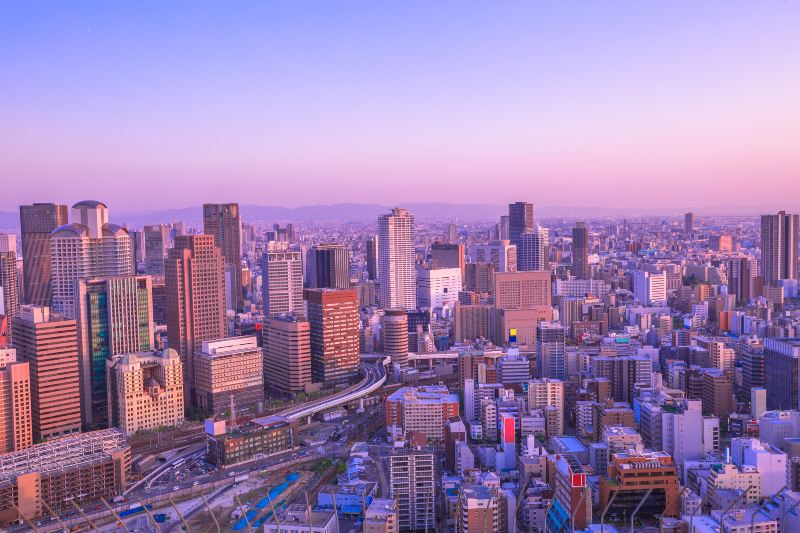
<point x="361" y="403"/>
<point x="308" y="419"/>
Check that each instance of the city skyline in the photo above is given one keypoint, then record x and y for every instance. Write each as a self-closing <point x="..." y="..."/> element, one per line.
<point x="371" y="104"/>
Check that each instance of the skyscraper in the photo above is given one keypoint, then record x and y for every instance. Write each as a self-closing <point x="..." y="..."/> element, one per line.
<point x="688" y="222"/>
<point x="397" y="260"/>
<point x="580" y="251"/>
<point x="9" y="284"/>
<point x="331" y="266"/>
<point x="114" y="316"/>
<point x="88" y="247"/>
<point x="155" y="248"/>
<point x="15" y="402"/>
<point x="37" y="222"/>
<point x="394" y="336"/>
<point x="287" y="354"/>
<point x="224" y="223"/>
<point x="195" y="299"/>
<point x="334" y="318"/>
<point x="782" y="363"/>
<point x="49" y="344"/>
<point x="533" y="250"/>
<point x="550" y="351"/>
<point x="282" y="282"/>
<point x="520" y="220"/>
<point x="779" y="238"/>
<point x="372" y="257"/>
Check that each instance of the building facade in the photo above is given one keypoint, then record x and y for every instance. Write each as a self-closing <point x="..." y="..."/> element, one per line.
<point x="397" y="260"/>
<point x="333" y="315"/>
<point x="37" y="222"/>
<point x="228" y="369"/>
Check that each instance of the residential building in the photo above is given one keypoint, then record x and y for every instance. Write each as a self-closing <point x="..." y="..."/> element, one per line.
<point x="779" y="247"/>
<point x="16" y="430"/>
<point x="422" y="409"/>
<point x="397" y="260"/>
<point x="412" y="486"/>
<point x="282" y="282"/>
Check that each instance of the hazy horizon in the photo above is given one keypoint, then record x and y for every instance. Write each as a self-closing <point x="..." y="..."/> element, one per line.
<point x="150" y="105"/>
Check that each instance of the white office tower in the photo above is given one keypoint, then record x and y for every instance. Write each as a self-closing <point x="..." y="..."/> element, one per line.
<point x="282" y="282"/>
<point x="437" y="290"/>
<point x="758" y="401"/>
<point x="686" y="434"/>
<point x="650" y="288"/>
<point x="533" y="250"/>
<point x="397" y="260"/>
<point x="770" y="462"/>
<point x="502" y="255"/>
<point x="86" y="248"/>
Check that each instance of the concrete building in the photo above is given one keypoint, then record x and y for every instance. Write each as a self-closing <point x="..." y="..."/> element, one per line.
<point x="256" y="439"/>
<point x="479" y="510"/>
<point x="78" y="469"/>
<point x="334" y="318"/>
<point x="779" y="247"/>
<point x="9" y="284"/>
<point x="225" y="224"/>
<point x="297" y="518"/>
<point x="282" y="282"/>
<point x="437" y="289"/>
<point x="770" y="463"/>
<point x="195" y="300"/>
<point x="412" y="486"/>
<point x="145" y="390"/>
<point x="580" y="251"/>
<point x="381" y="517"/>
<point x="625" y="374"/>
<point x="394" y="336"/>
<point x="156" y="237"/>
<point x="421" y="409"/>
<point x="229" y="368"/>
<point x="650" y="289"/>
<point x="501" y="255"/>
<point x="550" y="351"/>
<point x="781" y="366"/>
<point x="572" y="502"/>
<point x="329" y="266"/>
<point x="473" y="322"/>
<point x="287" y="354"/>
<point x="113" y="316"/>
<point x="522" y="290"/>
<point x="630" y="476"/>
<point x="513" y="368"/>
<point x="397" y="260"/>
<point x="16" y="430"/>
<point x="717" y="393"/>
<point x="49" y="344"/>
<point x="548" y="395"/>
<point x="37" y="222"/>
<point x="448" y="255"/>
<point x="533" y="250"/>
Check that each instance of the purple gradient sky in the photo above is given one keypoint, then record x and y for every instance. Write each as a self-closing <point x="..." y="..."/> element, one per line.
<point x="149" y="105"/>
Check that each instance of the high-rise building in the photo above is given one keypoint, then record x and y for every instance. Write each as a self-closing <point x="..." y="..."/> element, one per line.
<point x="9" y="284"/>
<point x="782" y="364"/>
<point x="155" y="248"/>
<point x="502" y="255"/>
<point x="397" y="260"/>
<point x="16" y="431"/>
<point x="580" y="251"/>
<point x="334" y="318"/>
<point x="425" y="410"/>
<point x="394" y="336"/>
<point x="282" y="282"/>
<point x="447" y="255"/>
<point x="742" y="272"/>
<point x="551" y="360"/>
<point x="229" y="369"/>
<point x="8" y="242"/>
<point x="548" y="395"/>
<point x="625" y="374"/>
<point x="331" y="266"/>
<point x="533" y="250"/>
<point x="49" y="344"/>
<point x="224" y="223"/>
<point x="520" y="220"/>
<point x="650" y="288"/>
<point x="114" y="316"/>
<point x="779" y="246"/>
<point x="372" y="257"/>
<point x="412" y="486"/>
<point x="438" y="288"/>
<point x="688" y="222"/>
<point x="88" y="247"/>
<point x="37" y="222"/>
<point x="195" y="300"/>
<point x="287" y="353"/>
<point x="145" y="390"/>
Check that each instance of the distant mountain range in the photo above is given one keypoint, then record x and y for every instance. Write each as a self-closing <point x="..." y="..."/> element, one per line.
<point x="353" y="212"/>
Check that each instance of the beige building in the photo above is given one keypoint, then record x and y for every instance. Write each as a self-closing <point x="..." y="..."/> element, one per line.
<point x="50" y="345"/>
<point x="229" y="368"/>
<point x="16" y="432"/>
<point x="381" y="517"/>
<point x="287" y="354"/>
<point x="145" y="390"/>
<point x="548" y="395"/>
<point x="522" y="299"/>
